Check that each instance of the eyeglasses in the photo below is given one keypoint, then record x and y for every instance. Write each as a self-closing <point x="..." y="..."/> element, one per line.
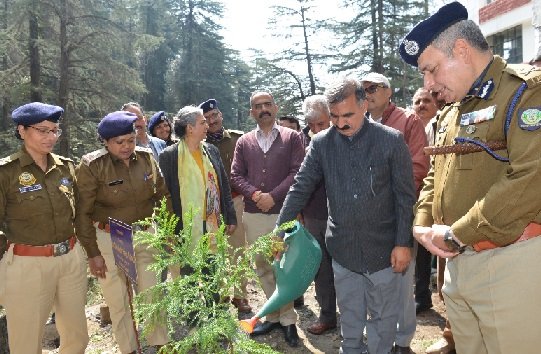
<point x="373" y="88"/>
<point x="45" y="132"/>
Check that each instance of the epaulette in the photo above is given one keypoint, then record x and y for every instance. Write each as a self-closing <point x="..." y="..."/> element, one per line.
<point x="237" y="132"/>
<point x="529" y="74"/>
<point x="63" y="158"/>
<point x="10" y="158"/>
<point x="143" y="149"/>
<point x="88" y="158"/>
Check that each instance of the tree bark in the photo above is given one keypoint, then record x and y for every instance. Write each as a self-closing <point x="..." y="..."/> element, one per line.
<point x="35" y="65"/>
<point x="63" y="86"/>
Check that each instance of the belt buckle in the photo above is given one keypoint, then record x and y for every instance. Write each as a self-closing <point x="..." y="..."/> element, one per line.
<point x="61" y="248"/>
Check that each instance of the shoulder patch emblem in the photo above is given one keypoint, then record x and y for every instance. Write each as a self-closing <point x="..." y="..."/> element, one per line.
<point x="529" y="119"/>
<point x="88" y="158"/>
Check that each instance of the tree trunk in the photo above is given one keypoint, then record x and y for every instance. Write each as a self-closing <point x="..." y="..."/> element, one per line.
<point x="4" y="123"/>
<point x="35" y="65"/>
<point x="63" y="86"/>
<point x="308" y="55"/>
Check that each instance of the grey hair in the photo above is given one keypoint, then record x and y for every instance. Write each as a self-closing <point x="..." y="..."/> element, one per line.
<point x="341" y="89"/>
<point x="186" y="116"/>
<point x="125" y="106"/>
<point x="465" y="29"/>
<point x="314" y="106"/>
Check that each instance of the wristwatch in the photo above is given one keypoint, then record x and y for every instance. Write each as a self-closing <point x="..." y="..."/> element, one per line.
<point x="451" y="243"/>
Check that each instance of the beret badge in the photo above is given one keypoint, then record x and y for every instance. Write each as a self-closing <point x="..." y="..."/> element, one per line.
<point x="411" y="47"/>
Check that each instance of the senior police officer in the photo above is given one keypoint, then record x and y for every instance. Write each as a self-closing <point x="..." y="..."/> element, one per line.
<point x="123" y="182"/>
<point x="481" y="208"/>
<point x="44" y="264"/>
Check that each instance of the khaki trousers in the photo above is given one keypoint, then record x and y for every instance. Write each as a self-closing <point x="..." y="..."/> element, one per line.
<point x="237" y="240"/>
<point x="492" y="299"/>
<point x="257" y="225"/>
<point x="31" y="286"/>
<point x="115" y="293"/>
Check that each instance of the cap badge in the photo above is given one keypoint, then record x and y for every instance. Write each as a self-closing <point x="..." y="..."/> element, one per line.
<point x="411" y="47"/>
<point x="27" y="179"/>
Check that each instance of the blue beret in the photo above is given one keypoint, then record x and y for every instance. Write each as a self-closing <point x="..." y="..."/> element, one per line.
<point x="116" y="124"/>
<point x="36" y="112"/>
<point x="208" y="105"/>
<point x="422" y="35"/>
<point x="156" y="119"/>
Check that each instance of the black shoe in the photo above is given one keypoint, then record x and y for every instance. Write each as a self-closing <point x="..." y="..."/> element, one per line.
<point x="298" y="302"/>
<point x="265" y="327"/>
<point x="422" y="307"/>
<point x="290" y="335"/>
<point x="402" y="350"/>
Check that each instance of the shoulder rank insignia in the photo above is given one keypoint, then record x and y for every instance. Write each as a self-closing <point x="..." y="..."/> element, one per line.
<point x="144" y="149"/>
<point x="10" y="158"/>
<point x="529" y="118"/>
<point x="88" y="158"/>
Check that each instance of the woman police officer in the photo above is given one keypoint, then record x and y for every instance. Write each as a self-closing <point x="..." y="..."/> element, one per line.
<point x="120" y="181"/>
<point x="44" y="265"/>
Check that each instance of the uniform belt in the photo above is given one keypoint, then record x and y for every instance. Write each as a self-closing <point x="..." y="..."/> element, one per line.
<point x="532" y="230"/>
<point x="52" y="250"/>
<point x="464" y="148"/>
<point x="104" y="226"/>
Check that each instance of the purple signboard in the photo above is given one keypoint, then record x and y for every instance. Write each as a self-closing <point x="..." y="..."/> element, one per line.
<point x="121" y="236"/>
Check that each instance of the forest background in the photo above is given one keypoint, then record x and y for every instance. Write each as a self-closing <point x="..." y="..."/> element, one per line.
<point x="91" y="56"/>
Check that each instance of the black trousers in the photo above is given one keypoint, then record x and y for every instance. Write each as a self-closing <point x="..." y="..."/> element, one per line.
<point x="423" y="270"/>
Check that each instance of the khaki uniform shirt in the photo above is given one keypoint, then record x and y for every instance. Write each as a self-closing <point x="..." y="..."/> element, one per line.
<point x="227" y="147"/>
<point x="36" y="207"/>
<point x="109" y="188"/>
<point x="480" y="197"/>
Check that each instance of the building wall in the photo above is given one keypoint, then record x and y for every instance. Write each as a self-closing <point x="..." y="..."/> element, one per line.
<point x="500" y="15"/>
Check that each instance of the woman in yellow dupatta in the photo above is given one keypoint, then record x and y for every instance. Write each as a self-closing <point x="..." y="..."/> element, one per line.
<point x="196" y="177"/>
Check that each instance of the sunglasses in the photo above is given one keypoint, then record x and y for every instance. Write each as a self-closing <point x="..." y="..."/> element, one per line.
<point x="373" y="88"/>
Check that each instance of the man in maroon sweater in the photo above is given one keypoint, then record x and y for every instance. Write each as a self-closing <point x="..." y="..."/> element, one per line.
<point x="264" y="165"/>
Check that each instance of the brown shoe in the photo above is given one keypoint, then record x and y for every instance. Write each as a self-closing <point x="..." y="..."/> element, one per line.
<point x="441" y="347"/>
<point x="242" y="305"/>
<point x="318" y="328"/>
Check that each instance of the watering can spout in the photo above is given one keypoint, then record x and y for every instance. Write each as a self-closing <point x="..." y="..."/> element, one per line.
<point x="294" y="272"/>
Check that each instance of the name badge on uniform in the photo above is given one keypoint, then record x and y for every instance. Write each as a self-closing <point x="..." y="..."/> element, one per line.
<point x="529" y="118"/>
<point x="479" y="116"/>
<point x="32" y="188"/>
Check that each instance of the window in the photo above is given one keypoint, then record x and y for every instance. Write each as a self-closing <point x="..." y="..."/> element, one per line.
<point x="508" y="44"/>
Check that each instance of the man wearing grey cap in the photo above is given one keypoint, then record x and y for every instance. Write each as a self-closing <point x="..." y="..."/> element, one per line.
<point x="380" y="108"/>
<point x="480" y="206"/>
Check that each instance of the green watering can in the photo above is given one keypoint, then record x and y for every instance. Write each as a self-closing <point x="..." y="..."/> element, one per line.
<point x="294" y="272"/>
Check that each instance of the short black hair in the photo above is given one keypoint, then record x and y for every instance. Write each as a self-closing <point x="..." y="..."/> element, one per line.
<point x="291" y="119"/>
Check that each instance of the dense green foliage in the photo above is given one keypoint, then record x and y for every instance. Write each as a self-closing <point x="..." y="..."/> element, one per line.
<point x="92" y="56"/>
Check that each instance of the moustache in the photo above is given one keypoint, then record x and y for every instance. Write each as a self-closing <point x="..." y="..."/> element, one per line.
<point x="345" y="127"/>
<point x="264" y="113"/>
